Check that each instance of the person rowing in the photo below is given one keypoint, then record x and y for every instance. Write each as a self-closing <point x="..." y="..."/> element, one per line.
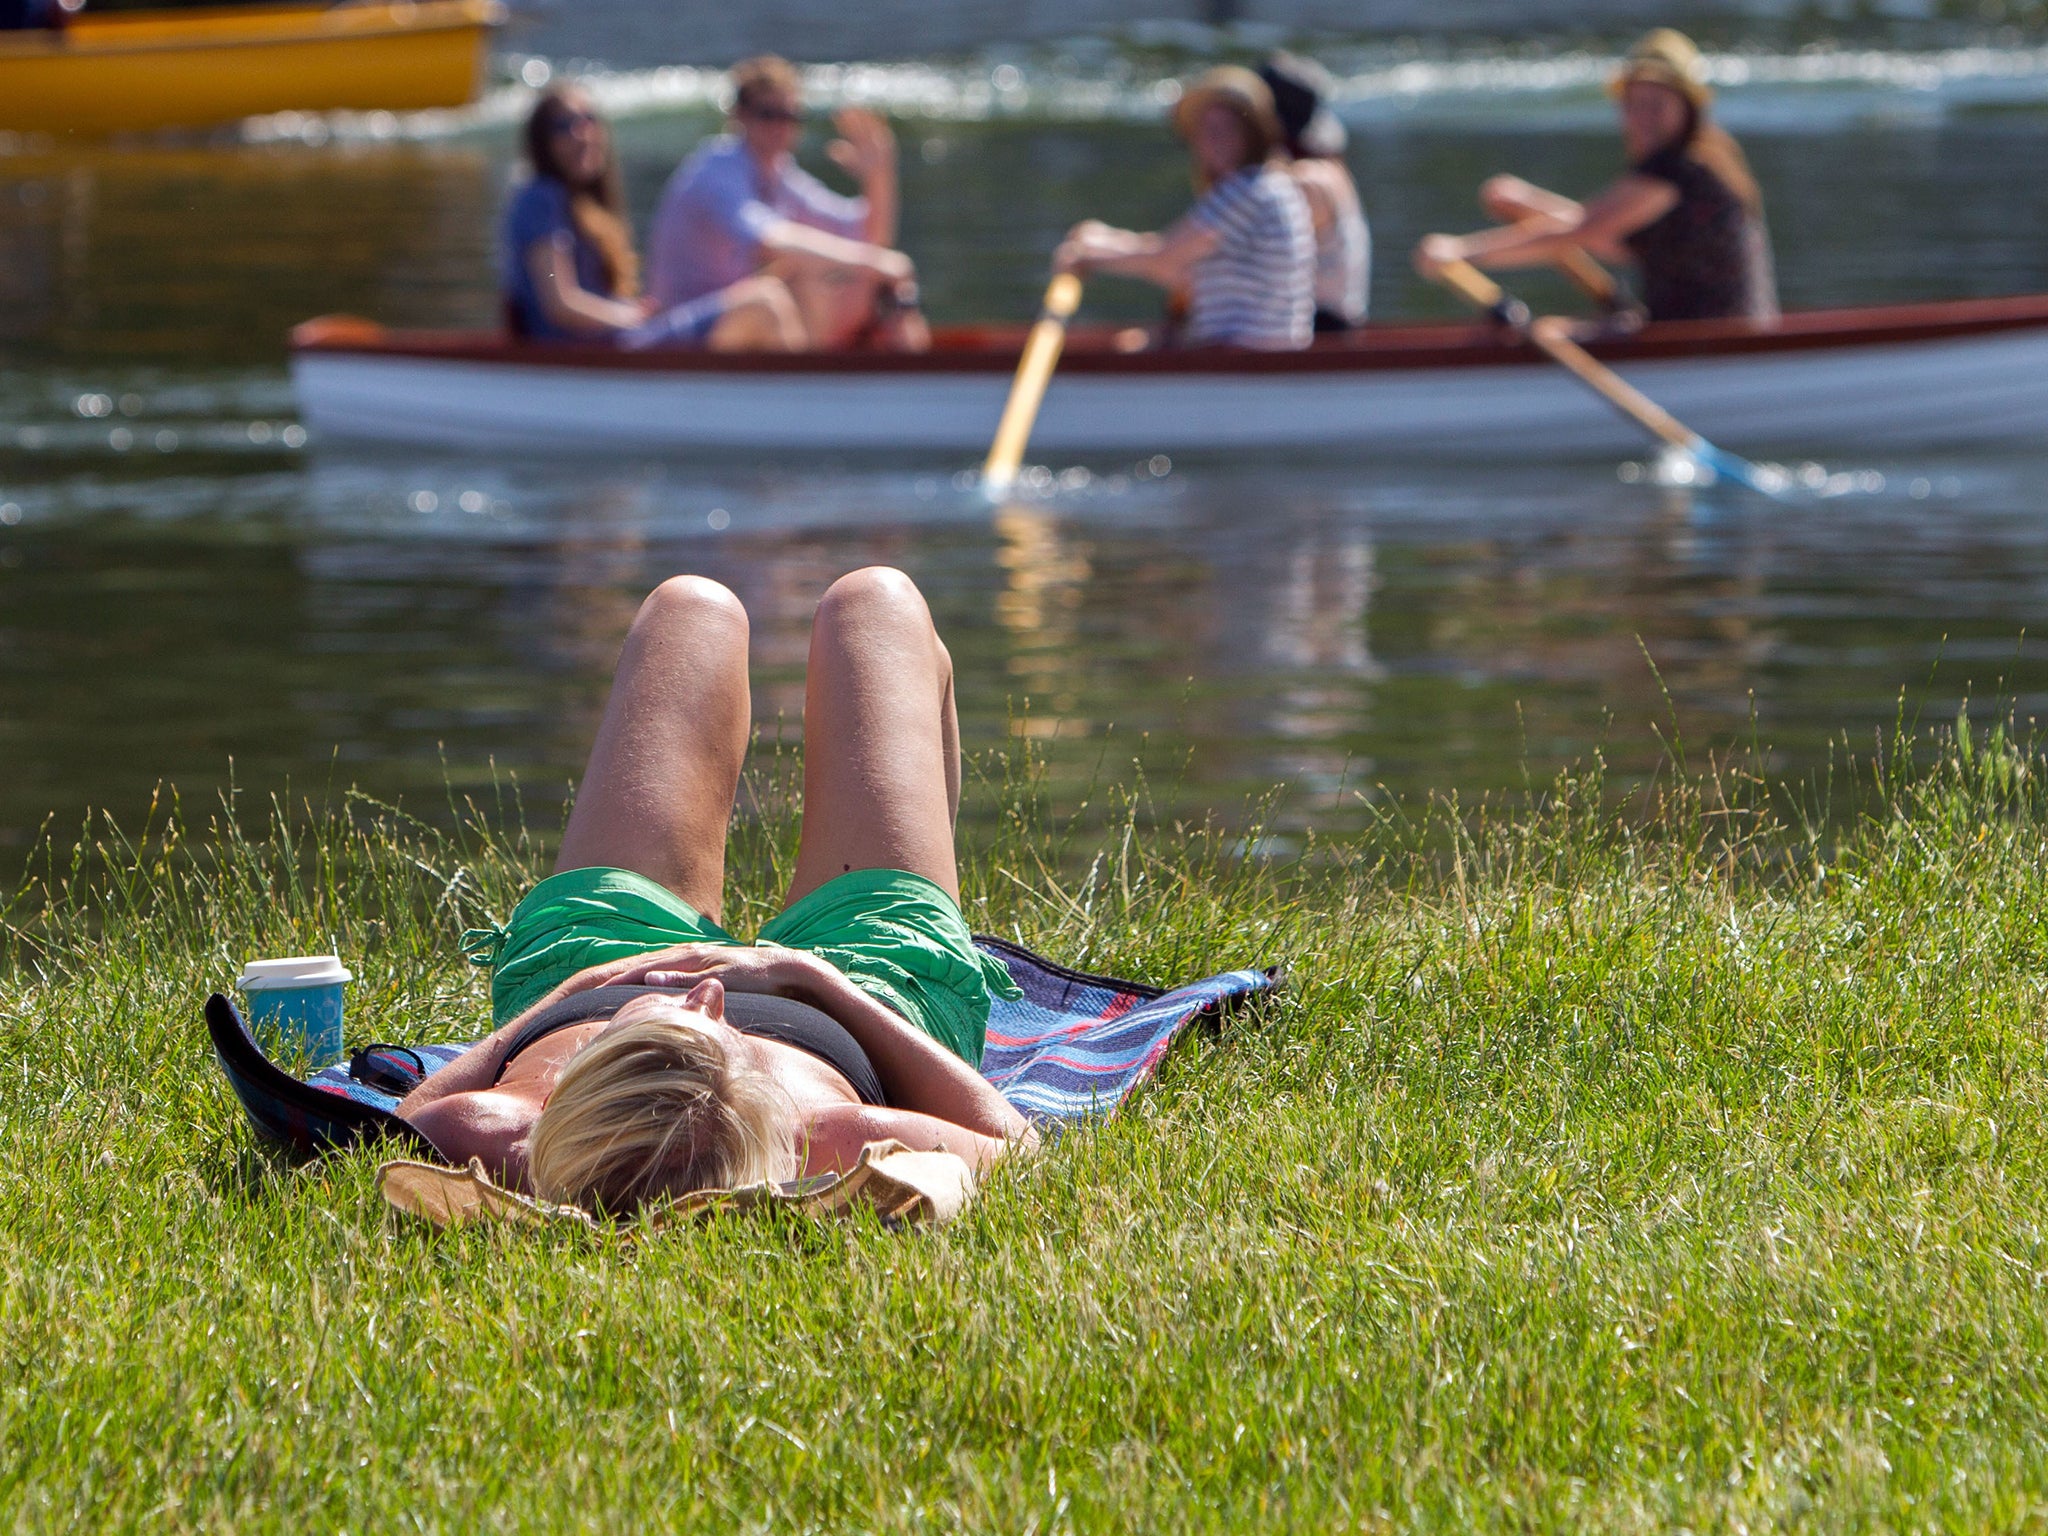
<point x="1315" y="150"/>
<point x="642" y="1051"/>
<point x="740" y="204"/>
<point x="1245" y="253"/>
<point x="569" y="269"/>
<point x="1687" y="212"/>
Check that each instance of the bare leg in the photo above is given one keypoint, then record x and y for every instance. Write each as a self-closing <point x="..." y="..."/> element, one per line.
<point x="760" y="316"/>
<point x="1511" y="200"/>
<point x="835" y="302"/>
<point x="657" y="795"/>
<point x="881" y="737"/>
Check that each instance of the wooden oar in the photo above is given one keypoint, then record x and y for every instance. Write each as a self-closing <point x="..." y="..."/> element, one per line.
<point x="1027" y="390"/>
<point x="1590" y="278"/>
<point x="1548" y="336"/>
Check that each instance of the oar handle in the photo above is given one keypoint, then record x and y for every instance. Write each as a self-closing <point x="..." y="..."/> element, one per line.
<point x="1589" y="277"/>
<point x="1027" y="390"/>
<point x="1482" y="292"/>
<point x="1062" y="298"/>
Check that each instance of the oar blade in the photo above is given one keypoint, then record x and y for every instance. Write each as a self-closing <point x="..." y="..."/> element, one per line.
<point x="1764" y="479"/>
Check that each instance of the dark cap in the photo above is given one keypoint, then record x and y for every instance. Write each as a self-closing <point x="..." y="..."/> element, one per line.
<point x="1299" y="88"/>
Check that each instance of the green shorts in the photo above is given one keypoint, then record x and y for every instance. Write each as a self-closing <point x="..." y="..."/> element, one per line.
<point x="895" y="935"/>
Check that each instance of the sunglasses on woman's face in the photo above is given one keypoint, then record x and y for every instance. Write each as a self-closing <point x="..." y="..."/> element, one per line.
<point x="569" y="122"/>
<point x="774" y="114"/>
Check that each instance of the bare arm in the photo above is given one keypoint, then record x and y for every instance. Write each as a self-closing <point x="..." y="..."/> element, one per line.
<point x="1602" y="228"/>
<point x="917" y="1073"/>
<point x="474" y="1070"/>
<point x="833" y="1138"/>
<point x="551" y="263"/>
<point x="786" y="237"/>
<point x="471" y="1072"/>
<point x="867" y="152"/>
<point x="1165" y="258"/>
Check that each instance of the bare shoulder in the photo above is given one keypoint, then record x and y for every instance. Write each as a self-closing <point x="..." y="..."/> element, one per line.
<point x="490" y="1123"/>
<point x="1327" y="179"/>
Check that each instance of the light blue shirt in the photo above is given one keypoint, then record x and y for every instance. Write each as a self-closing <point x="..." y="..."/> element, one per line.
<point x="707" y="231"/>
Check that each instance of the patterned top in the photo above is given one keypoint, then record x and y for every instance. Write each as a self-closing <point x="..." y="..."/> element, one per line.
<point x="1257" y="288"/>
<point x="707" y="231"/>
<point x="1708" y="258"/>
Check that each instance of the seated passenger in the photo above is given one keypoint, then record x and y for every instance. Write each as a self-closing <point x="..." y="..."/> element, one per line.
<point x="569" y="269"/>
<point x="1687" y="213"/>
<point x="740" y="204"/>
<point x="1315" y="147"/>
<point x="1245" y="253"/>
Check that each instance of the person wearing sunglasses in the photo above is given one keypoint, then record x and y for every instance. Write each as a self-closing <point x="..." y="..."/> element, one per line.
<point x="740" y="205"/>
<point x="570" y="273"/>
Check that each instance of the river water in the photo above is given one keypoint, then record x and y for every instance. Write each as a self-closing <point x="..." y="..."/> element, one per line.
<point x="187" y="583"/>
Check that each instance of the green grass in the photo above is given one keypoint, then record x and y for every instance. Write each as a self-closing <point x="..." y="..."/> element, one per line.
<point x="1671" y="1162"/>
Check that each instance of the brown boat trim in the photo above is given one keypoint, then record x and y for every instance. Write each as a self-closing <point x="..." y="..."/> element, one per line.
<point x="994" y="349"/>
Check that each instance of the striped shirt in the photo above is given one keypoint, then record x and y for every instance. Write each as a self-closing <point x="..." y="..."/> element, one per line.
<point x="1257" y="288"/>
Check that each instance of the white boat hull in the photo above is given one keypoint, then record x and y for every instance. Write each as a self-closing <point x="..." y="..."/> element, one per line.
<point x="1899" y="394"/>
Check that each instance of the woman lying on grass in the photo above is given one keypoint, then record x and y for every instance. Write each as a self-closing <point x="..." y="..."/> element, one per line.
<point x="860" y="1013"/>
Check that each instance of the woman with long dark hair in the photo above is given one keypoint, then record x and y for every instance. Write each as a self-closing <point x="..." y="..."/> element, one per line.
<point x="570" y="272"/>
<point x="1687" y="213"/>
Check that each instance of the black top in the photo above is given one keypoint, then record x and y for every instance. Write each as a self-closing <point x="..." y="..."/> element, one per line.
<point x="772" y="1018"/>
<point x="1708" y="258"/>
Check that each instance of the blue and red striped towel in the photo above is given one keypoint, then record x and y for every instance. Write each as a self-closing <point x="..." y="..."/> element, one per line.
<point x="1076" y="1045"/>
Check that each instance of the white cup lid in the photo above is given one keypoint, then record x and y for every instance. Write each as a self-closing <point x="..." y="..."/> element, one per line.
<point x="294" y="971"/>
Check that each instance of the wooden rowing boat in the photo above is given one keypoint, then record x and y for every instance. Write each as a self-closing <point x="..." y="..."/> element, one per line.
<point x="141" y="70"/>
<point x="1889" y="378"/>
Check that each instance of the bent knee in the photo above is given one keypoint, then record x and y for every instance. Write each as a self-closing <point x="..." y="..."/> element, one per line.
<point x="871" y="594"/>
<point x="692" y="600"/>
<point x="1505" y="197"/>
<point x="766" y="291"/>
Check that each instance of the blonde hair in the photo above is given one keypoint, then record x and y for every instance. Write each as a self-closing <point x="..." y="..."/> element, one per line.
<point x="653" y="1109"/>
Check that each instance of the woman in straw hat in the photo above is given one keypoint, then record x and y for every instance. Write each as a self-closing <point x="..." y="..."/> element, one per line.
<point x="1687" y="213"/>
<point x="1246" y="252"/>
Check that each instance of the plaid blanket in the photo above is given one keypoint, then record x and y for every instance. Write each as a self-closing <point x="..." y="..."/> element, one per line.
<point x="1072" y="1049"/>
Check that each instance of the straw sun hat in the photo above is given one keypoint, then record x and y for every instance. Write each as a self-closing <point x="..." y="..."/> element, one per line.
<point x="1235" y="87"/>
<point x="1670" y="58"/>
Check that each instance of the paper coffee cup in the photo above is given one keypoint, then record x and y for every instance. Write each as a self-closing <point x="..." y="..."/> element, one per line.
<point x="295" y="1006"/>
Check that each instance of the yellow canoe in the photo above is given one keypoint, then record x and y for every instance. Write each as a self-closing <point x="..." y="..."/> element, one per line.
<point x="138" y="70"/>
